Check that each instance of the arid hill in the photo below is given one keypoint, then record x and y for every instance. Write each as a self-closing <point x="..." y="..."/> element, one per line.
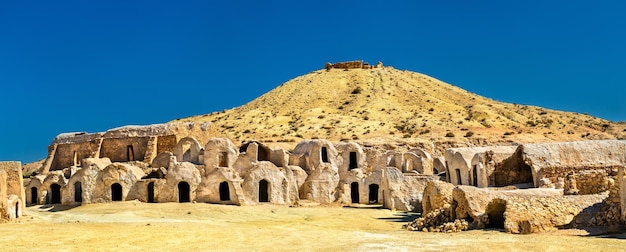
<point x="382" y="104"/>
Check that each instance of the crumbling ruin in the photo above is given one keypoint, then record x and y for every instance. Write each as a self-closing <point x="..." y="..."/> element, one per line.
<point x="571" y="185"/>
<point x="158" y="164"/>
<point x="357" y="64"/>
<point x="12" y="193"/>
<point x="521" y="189"/>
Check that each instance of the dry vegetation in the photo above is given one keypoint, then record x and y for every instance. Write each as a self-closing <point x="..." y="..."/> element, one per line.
<point x="138" y="226"/>
<point x="385" y="103"/>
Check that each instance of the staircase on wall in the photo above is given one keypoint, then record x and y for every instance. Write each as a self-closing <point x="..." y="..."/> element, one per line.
<point x="151" y="151"/>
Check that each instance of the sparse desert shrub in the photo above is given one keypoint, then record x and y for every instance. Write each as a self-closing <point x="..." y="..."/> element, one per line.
<point x="469" y="134"/>
<point x="357" y="90"/>
<point x="449" y="134"/>
<point x="508" y="133"/>
<point x="321" y="117"/>
<point x="406" y="136"/>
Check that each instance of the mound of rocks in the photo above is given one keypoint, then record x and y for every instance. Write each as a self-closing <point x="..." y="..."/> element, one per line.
<point x="438" y="220"/>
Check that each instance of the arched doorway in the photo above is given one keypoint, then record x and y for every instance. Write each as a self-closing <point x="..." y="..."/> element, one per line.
<point x="55" y="197"/>
<point x="130" y="153"/>
<point x="264" y="195"/>
<point x="116" y="192"/>
<point x="324" y="154"/>
<point x="78" y="192"/>
<point x="34" y="196"/>
<point x="353" y="161"/>
<point x="183" y="192"/>
<point x="495" y="212"/>
<point x="151" y="192"/>
<point x="373" y="194"/>
<point x="224" y="191"/>
<point x="354" y="192"/>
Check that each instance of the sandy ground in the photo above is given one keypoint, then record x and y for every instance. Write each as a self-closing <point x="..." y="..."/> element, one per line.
<point x="139" y="226"/>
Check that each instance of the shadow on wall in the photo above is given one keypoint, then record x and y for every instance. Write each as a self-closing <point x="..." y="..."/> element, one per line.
<point x="593" y="219"/>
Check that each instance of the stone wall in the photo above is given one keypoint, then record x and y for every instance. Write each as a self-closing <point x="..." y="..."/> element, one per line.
<point x="71" y="154"/>
<point x="14" y="187"/>
<point x="124" y="149"/>
<point x="513" y="170"/>
<point x="404" y="192"/>
<point x="346" y="65"/>
<point x="581" y="180"/>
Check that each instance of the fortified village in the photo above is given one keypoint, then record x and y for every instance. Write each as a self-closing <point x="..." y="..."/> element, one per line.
<point x="521" y="187"/>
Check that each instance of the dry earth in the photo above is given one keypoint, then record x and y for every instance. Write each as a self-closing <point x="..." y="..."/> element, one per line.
<point x="199" y="227"/>
<point x="389" y="105"/>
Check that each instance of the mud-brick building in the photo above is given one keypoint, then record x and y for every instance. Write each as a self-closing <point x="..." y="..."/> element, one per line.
<point x="12" y="196"/>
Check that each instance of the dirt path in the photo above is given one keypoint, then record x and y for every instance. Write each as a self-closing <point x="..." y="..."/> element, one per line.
<point x="200" y="227"/>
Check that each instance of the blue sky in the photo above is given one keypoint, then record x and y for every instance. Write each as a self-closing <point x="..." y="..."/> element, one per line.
<point x="70" y="66"/>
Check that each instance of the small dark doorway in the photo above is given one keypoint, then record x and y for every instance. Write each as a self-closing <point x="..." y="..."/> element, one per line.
<point x="475" y="176"/>
<point x="458" y="177"/>
<point x="223" y="159"/>
<point x="130" y="154"/>
<point x="183" y="192"/>
<point x="373" y="195"/>
<point x="78" y="192"/>
<point x="354" y="192"/>
<point x="55" y="198"/>
<point x="324" y="153"/>
<point x="264" y="195"/>
<point x="353" y="162"/>
<point x="151" y="192"/>
<point x="116" y="192"/>
<point x="224" y="191"/>
<point x="495" y="212"/>
<point x="34" y="197"/>
<point x="17" y="210"/>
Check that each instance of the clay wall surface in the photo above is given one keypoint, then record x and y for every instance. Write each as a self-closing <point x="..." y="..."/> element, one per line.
<point x="117" y="149"/>
<point x="166" y="143"/>
<point x="4" y="208"/>
<point x="14" y="181"/>
<point x="403" y="192"/>
<point x="69" y="153"/>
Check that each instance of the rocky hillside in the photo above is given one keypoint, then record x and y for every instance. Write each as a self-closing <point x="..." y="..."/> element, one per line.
<point x="382" y="104"/>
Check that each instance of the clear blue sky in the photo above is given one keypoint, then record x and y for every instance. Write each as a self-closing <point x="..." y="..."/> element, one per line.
<point x="70" y="66"/>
